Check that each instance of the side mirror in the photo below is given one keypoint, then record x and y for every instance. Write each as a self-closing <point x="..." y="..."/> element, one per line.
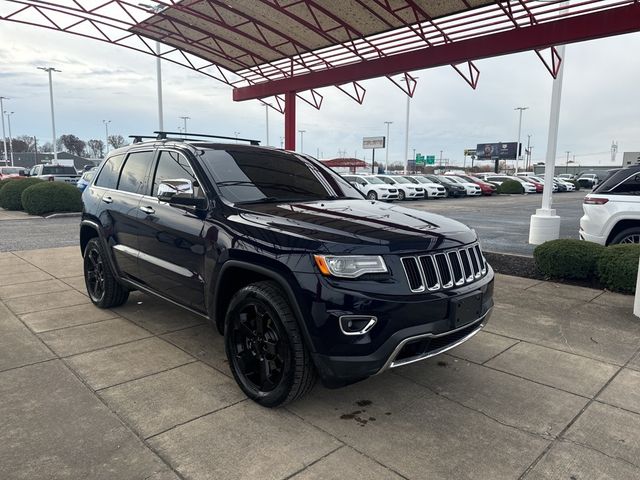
<point x="179" y="193"/>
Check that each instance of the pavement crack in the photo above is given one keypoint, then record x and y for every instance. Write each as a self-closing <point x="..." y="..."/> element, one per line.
<point x="591" y="447"/>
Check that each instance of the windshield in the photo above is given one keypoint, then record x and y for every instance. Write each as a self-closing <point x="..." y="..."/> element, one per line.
<point x="459" y="180"/>
<point x="374" y="180"/>
<point x="445" y="180"/>
<point x="401" y="180"/>
<point x="250" y="176"/>
<point x="58" y="170"/>
<point x="422" y="180"/>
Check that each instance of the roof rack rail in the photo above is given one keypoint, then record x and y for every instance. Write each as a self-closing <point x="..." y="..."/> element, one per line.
<point x="138" y="138"/>
<point x="162" y="135"/>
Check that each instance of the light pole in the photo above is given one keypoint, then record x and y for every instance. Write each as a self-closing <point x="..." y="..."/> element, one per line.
<point x="157" y="9"/>
<point x="528" y="152"/>
<point x="301" y="140"/>
<point x="4" y="137"/>
<point x="566" y="165"/>
<point x="236" y="135"/>
<point x="8" y="114"/>
<point x="106" y="135"/>
<point x="53" y="117"/>
<point x="184" y="119"/>
<point x="406" y="133"/>
<point x="545" y="224"/>
<point x="386" y="158"/>
<point x="266" y="114"/>
<point x="518" y="153"/>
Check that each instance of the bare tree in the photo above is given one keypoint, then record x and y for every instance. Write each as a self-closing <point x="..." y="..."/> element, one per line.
<point x="73" y="144"/>
<point x="46" y="147"/>
<point x="28" y="140"/>
<point x="117" y="141"/>
<point x="96" y="147"/>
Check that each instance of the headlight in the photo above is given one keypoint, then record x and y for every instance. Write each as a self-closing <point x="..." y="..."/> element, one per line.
<point x="349" y="266"/>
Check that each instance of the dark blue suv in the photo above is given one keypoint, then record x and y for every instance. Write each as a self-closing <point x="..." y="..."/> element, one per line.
<point x="303" y="276"/>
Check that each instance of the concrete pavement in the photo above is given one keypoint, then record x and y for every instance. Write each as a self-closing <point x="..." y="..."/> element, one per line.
<point x="548" y="391"/>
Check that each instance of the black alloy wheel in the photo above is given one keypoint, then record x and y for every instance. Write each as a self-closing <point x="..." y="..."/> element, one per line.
<point x="102" y="286"/>
<point x="264" y="346"/>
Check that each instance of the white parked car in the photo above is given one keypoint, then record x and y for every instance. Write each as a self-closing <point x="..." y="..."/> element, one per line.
<point x="473" y="189"/>
<point x="372" y="187"/>
<point x="540" y="179"/>
<point x="500" y="179"/>
<point x="433" y="189"/>
<point x="590" y="179"/>
<point x="612" y="210"/>
<point x="406" y="189"/>
<point x="570" y="186"/>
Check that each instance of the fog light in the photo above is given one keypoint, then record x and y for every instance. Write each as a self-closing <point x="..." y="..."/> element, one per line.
<point x="356" y="324"/>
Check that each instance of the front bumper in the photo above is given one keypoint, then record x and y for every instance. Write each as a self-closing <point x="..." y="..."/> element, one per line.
<point x="408" y="329"/>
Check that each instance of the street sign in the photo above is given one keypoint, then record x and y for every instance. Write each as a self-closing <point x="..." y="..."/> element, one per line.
<point x="373" y="142"/>
<point x="469" y="151"/>
<point x="431" y="159"/>
<point x="419" y="159"/>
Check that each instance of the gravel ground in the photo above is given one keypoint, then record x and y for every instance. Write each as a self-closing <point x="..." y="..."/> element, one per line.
<point x="502" y="222"/>
<point x="38" y="232"/>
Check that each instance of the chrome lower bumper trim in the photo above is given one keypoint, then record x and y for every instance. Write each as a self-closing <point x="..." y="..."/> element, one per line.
<point x="391" y="363"/>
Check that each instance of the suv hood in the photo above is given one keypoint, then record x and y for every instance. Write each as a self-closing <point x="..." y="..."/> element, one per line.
<point x="357" y="226"/>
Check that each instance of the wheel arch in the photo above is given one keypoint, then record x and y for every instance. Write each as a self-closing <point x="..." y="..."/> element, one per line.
<point x="230" y="280"/>
<point x="620" y="226"/>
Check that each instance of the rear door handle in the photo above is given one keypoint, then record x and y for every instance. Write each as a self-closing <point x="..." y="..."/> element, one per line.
<point x="107" y="199"/>
<point x="148" y="210"/>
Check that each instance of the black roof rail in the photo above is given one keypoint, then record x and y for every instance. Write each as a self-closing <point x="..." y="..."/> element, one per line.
<point x="162" y="135"/>
<point x="138" y="138"/>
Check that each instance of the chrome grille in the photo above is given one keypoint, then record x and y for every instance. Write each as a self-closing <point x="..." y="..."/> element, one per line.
<point x="441" y="270"/>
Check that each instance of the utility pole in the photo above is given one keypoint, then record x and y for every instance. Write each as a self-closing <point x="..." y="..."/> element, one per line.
<point x="236" y="135"/>
<point x="184" y="119"/>
<point x="8" y="114"/>
<point x="518" y="152"/>
<point x="528" y="152"/>
<point x="106" y="135"/>
<point x="35" y="148"/>
<point x="440" y="158"/>
<point x="566" y="165"/>
<point x="386" y="160"/>
<point x="4" y="137"/>
<point x="53" y="117"/>
<point x="301" y="140"/>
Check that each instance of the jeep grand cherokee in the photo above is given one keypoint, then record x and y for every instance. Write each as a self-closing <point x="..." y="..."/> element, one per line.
<point x="303" y="276"/>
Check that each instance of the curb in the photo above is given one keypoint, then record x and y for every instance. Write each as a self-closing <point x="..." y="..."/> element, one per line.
<point x="64" y="215"/>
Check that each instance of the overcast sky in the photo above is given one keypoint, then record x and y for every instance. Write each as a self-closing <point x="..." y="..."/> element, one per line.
<point x="600" y="100"/>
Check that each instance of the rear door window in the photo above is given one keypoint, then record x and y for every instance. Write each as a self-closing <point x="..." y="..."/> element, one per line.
<point x="630" y="186"/>
<point x="109" y="174"/>
<point x="134" y="177"/>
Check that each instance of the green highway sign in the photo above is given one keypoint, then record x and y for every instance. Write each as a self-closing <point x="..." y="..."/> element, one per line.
<point x="419" y="159"/>
<point x="431" y="159"/>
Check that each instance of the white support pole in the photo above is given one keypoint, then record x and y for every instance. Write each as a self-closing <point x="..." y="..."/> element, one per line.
<point x="406" y="136"/>
<point x="10" y="136"/>
<point x="545" y="224"/>
<point x="4" y="137"/>
<point x="53" y="119"/>
<point x="159" y="87"/>
<point x="518" y="152"/>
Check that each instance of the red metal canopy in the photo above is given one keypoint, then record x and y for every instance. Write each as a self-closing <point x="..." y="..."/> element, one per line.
<point x="273" y="50"/>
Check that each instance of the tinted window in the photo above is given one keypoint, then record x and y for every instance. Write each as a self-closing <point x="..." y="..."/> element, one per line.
<point x="631" y="186"/>
<point x="108" y="177"/>
<point x="173" y="166"/>
<point x="260" y="175"/>
<point x="134" y="175"/>
<point x="58" y="170"/>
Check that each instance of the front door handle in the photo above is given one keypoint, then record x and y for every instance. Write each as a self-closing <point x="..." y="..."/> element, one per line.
<point x="148" y="210"/>
<point x="107" y="199"/>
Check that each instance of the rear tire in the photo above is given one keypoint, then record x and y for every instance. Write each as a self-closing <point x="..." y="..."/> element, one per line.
<point x="265" y="348"/>
<point x="102" y="286"/>
<point x="629" y="235"/>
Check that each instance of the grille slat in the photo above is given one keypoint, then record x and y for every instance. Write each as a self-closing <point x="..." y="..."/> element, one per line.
<point x="444" y="269"/>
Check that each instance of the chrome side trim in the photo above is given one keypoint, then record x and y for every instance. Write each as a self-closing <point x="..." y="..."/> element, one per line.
<point x="390" y="363"/>
<point x="172" y="267"/>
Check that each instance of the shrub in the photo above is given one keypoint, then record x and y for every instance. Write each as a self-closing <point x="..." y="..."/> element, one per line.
<point x="5" y="181"/>
<point x="618" y="267"/>
<point x="48" y="197"/>
<point x="510" y="186"/>
<point x="568" y="258"/>
<point x="575" y="184"/>
<point x="11" y="193"/>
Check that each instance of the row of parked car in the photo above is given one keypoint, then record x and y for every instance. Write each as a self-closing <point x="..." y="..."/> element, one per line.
<point x="427" y="186"/>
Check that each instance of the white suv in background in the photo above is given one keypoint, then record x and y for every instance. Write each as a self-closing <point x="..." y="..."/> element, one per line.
<point x="372" y="187"/>
<point x="433" y="189"/>
<point x="406" y="189"/>
<point x="612" y="210"/>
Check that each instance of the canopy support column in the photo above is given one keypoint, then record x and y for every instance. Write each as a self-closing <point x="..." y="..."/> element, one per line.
<point x="290" y="120"/>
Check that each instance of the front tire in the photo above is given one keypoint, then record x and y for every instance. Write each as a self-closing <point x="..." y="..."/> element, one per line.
<point x="401" y="195"/>
<point x="372" y="195"/>
<point x="264" y="346"/>
<point x="102" y="286"/>
<point x="629" y="235"/>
